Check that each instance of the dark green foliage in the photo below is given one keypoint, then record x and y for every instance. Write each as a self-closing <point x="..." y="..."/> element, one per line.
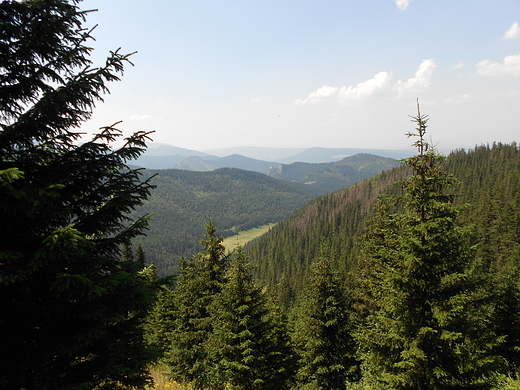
<point x="248" y="348"/>
<point x="200" y="279"/>
<point x="237" y="200"/>
<point x="71" y="307"/>
<point x="323" y="328"/>
<point x="490" y="183"/>
<point x="429" y="326"/>
<point x="281" y="257"/>
<point x="160" y="320"/>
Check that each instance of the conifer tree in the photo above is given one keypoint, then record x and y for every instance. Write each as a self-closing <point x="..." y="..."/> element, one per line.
<point x="247" y="347"/>
<point x="428" y="327"/>
<point x="200" y="279"/>
<point x="506" y="290"/>
<point x="161" y="318"/>
<point x="323" y="330"/>
<point x="71" y="307"/>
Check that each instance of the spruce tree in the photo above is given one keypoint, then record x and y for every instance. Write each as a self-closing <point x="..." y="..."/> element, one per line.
<point x="428" y="325"/>
<point x="200" y="279"/>
<point x="71" y="307"/>
<point x="323" y="330"/>
<point x="248" y="349"/>
<point x="161" y="318"/>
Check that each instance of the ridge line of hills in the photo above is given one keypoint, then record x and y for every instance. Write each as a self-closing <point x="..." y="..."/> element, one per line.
<point x="237" y="200"/>
<point x="259" y="159"/>
<point x="489" y="186"/>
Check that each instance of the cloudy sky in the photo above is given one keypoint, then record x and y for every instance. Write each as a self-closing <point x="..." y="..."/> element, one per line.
<point x="304" y="73"/>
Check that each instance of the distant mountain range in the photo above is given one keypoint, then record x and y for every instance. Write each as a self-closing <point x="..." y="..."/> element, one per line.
<point x="258" y="159"/>
<point x="315" y="170"/>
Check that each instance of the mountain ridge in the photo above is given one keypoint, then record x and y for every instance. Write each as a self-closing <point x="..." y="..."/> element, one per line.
<point x="165" y="156"/>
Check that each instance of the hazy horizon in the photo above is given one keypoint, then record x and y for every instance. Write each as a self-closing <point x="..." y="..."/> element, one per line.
<point x="210" y="75"/>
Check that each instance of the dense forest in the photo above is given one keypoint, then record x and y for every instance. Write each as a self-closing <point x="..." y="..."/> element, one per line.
<point x="237" y="200"/>
<point x="397" y="282"/>
<point x="183" y="201"/>
<point x="408" y="280"/>
<point x="322" y="178"/>
<point x="489" y="186"/>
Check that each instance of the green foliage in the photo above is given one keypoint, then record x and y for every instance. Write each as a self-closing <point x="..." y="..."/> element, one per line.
<point x="248" y="347"/>
<point x="323" y="327"/>
<point x="237" y="200"/>
<point x="281" y="258"/>
<point x="429" y="326"/>
<point x="200" y="279"/>
<point x="160" y="320"/>
<point x="71" y="307"/>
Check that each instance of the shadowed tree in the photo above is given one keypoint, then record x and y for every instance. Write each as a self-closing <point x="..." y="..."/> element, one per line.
<point x="71" y="306"/>
<point x="200" y="279"/>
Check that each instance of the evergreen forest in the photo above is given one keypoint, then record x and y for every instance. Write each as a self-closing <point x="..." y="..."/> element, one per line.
<point x="406" y="280"/>
<point x="182" y="201"/>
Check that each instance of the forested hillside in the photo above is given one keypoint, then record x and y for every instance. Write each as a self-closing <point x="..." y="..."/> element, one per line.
<point x="322" y="178"/>
<point x="183" y="202"/>
<point x="237" y="200"/>
<point x="407" y="281"/>
<point x="489" y="182"/>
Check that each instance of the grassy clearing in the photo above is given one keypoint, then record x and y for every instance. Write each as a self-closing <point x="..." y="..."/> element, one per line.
<point x="160" y="377"/>
<point x="244" y="237"/>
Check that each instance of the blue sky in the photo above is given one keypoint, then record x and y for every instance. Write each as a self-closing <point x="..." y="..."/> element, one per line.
<point x="304" y="73"/>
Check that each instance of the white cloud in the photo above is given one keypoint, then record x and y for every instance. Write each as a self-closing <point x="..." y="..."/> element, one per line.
<point x="377" y="86"/>
<point x="460" y="65"/>
<point x="255" y="100"/>
<point x="510" y="67"/>
<point x="140" y="117"/>
<point x="421" y="79"/>
<point x="513" y="32"/>
<point x="367" y="88"/>
<point x="320" y="94"/>
<point x="402" y="4"/>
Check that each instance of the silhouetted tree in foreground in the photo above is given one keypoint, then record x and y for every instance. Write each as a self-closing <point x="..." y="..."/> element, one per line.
<point x="71" y="306"/>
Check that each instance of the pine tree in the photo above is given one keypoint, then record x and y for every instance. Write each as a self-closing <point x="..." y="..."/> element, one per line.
<point x="71" y="307"/>
<point x="429" y="324"/>
<point x="200" y="279"/>
<point x="323" y="330"/>
<point x="506" y="290"/>
<point x="247" y="348"/>
<point x="161" y="318"/>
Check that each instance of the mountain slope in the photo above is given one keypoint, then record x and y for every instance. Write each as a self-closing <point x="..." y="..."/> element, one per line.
<point x="490" y="182"/>
<point x="183" y="201"/>
<point x="210" y="163"/>
<point x="328" y="177"/>
<point x="164" y="156"/>
<point x="317" y="155"/>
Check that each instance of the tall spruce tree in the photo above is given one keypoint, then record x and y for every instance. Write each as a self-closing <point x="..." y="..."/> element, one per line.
<point x="71" y="306"/>
<point x="323" y="329"/>
<point x="160" y="320"/>
<point x="200" y="279"/>
<point x="429" y="325"/>
<point x="248" y="347"/>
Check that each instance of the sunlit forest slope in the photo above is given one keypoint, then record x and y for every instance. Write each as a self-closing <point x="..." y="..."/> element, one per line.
<point x="489" y="182"/>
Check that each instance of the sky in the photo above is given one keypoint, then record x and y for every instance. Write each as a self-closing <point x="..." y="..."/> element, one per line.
<point x="307" y="73"/>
